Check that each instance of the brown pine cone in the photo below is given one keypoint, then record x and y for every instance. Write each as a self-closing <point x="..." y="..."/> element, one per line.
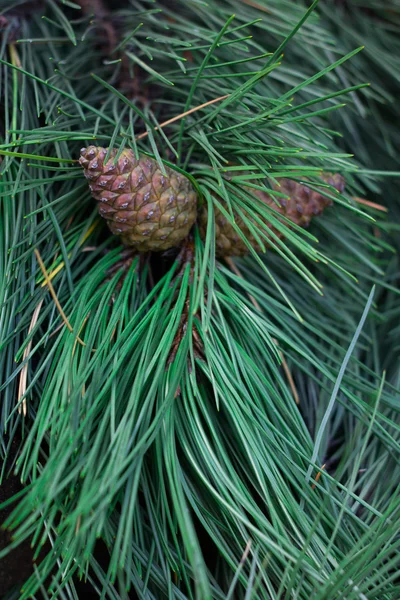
<point x="148" y="210"/>
<point x="300" y="207"/>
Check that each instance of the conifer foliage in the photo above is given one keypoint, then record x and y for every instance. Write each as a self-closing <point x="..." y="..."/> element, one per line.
<point x="186" y="415"/>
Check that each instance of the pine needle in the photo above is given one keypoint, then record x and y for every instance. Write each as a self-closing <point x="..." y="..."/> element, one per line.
<point x="285" y="366"/>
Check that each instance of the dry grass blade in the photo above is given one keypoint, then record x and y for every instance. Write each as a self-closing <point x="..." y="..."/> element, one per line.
<point x="54" y="295"/>
<point x="24" y="373"/>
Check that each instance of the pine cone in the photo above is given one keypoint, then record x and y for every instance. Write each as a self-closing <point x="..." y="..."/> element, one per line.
<point x="148" y="210"/>
<point x="302" y="205"/>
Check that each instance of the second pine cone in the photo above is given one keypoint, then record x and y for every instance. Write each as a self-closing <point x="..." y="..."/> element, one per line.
<point x="300" y="207"/>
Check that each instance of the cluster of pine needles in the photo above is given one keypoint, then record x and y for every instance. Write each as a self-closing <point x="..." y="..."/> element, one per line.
<point x="266" y="466"/>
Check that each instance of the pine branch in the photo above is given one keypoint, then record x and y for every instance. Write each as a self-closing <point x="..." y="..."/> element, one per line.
<point x="205" y="493"/>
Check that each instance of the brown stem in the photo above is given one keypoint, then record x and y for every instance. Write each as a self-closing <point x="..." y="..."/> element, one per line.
<point x="186" y="256"/>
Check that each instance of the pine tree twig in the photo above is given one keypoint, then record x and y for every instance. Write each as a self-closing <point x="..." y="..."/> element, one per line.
<point x="246" y="552"/>
<point x="78" y="524"/>
<point x="197" y="341"/>
<point x="127" y="257"/>
<point x="285" y="366"/>
<point x="182" y="115"/>
<point x="288" y="374"/>
<point x="77" y="337"/>
<point x="239" y="569"/>
<point x="24" y="373"/>
<point x="255" y="5"/>
<point x="186" y="256"/>
<point x="318" y="476"/>
<point x="180" y="333"/>
<point x="377" y="233"/>
<point x="54" y="295"/>
<point x="57" y="329"/>
<point x="369" y="203"/>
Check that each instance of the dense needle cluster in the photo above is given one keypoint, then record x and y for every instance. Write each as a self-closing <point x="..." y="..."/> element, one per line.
<point x="300" y="205"/>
